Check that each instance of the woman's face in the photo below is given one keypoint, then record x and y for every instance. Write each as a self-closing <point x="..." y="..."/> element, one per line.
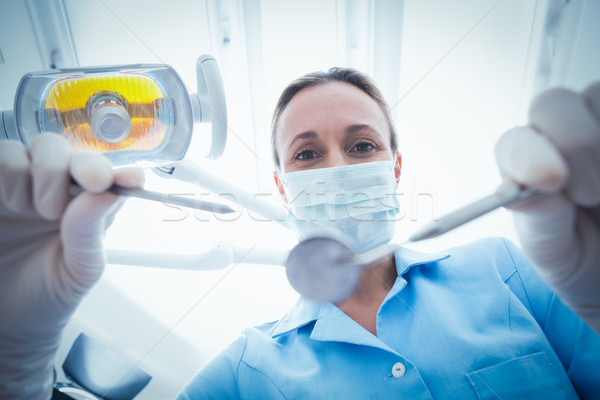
<point x="332" y="125"/>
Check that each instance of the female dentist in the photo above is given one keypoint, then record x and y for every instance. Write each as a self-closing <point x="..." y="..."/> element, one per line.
<point x="475" y="322"/>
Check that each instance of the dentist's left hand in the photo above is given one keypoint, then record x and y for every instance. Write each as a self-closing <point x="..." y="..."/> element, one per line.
<point x="51" y="252"/>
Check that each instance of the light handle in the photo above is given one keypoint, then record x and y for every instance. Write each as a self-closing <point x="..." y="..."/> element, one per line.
<point x="211" y="98"/>
<point x="8" y="128"/>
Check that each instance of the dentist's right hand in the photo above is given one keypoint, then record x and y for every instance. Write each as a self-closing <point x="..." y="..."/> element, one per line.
<point x="51" y="251"/>
<point x="558" y="155"/>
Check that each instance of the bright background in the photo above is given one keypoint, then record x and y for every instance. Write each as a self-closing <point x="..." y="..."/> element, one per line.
<point x="457" y="74"/>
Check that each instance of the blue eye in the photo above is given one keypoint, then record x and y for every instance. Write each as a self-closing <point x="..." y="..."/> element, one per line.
<point x="363" y="147"/>
<point x="306" y="155"/>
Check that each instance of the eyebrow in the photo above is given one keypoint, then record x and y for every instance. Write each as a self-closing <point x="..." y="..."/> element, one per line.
<point x="355" y="128"/>
<point x="303" y="135"/>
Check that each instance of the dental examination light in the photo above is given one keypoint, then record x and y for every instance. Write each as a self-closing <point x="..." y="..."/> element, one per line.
<point x="133" y="114"/>
<point x="130" y="113"/>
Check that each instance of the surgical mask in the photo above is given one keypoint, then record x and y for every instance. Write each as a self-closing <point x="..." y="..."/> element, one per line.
<point x="356" y="203"/>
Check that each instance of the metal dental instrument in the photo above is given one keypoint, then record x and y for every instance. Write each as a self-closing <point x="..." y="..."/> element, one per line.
<point x="506" y="194"/>
<point x="187" y="171"/>
<point x="325" y="269"/>
<point x="164" y="198"/>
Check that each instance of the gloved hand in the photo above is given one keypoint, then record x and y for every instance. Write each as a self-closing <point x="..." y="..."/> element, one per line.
<point x="559" y="155"/>
<point x="50" y="252"/>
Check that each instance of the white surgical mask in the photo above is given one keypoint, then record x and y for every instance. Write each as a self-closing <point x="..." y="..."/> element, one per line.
<point x="357" y="202"/>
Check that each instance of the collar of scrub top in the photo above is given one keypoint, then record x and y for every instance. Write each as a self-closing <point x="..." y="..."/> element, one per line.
<point x="306" y="311"/>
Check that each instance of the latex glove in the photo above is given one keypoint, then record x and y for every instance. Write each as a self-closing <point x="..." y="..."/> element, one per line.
<point x="51" y="252"/>
<point x="559" y="155"/>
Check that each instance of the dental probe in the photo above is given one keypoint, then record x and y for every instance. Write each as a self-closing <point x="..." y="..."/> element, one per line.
<point x="507" y="193"/>
<point x="164" y="198"/>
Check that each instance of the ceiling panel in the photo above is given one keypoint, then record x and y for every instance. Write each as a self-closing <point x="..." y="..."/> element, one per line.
<point x="298" y="37"/>
<point x="137" y="31"/>
<point x="19" y="50"/>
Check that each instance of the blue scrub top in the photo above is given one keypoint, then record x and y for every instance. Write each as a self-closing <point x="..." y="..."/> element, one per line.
<point x="475" y="322"/>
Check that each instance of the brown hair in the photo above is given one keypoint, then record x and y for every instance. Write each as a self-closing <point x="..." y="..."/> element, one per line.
<point x="348" y="75"/>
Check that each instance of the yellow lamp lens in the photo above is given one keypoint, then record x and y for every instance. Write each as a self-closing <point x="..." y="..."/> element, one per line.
<point x="106" y="112"/>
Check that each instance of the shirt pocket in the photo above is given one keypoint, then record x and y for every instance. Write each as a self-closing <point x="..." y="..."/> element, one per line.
<point x="528" y="377"/>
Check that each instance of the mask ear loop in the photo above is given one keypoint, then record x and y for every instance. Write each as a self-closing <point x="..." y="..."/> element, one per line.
<point x="280" y="188"/>
<point x="398" y="167"/>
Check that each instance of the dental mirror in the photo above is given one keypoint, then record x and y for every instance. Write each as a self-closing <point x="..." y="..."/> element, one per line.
<point x="317" y="268"/>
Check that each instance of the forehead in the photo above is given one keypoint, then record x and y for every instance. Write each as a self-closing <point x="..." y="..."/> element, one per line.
<point x="334" y="96"/>
<point x="328" y="106"/>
